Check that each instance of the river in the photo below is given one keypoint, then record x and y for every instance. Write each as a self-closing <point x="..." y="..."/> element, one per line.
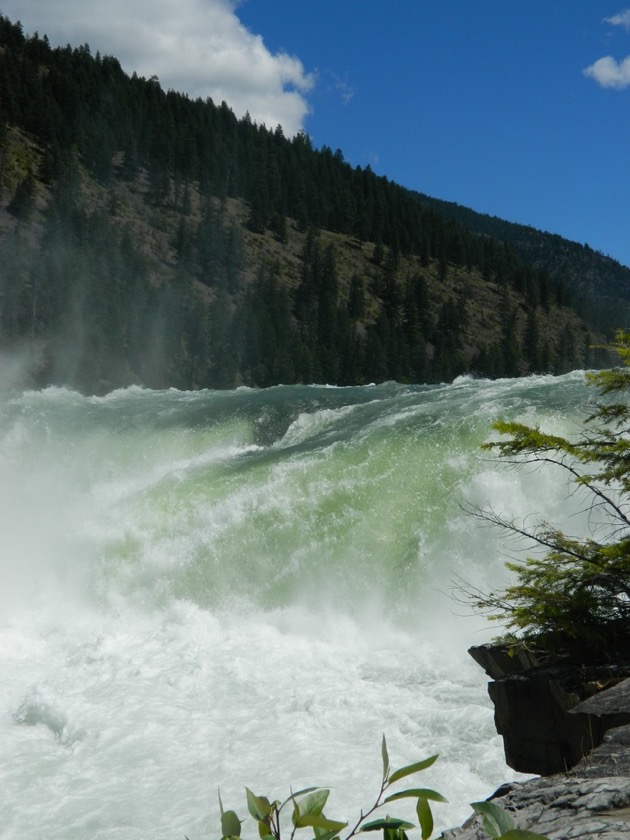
<point x="204" y="589"/>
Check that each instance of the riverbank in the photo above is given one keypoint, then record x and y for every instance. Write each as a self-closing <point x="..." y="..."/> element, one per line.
<point x="569" y="723"/>
<point x="590" y="802"/>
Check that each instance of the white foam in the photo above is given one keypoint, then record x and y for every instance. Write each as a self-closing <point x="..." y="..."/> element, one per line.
<point x="182" y="609"/>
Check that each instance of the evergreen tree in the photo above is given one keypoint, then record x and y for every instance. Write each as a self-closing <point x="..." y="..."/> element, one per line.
<point x="575" y="596"/>
<point x="532" y="340"/>
<point x="356" y="297"/>
<point x="23" y="202"/>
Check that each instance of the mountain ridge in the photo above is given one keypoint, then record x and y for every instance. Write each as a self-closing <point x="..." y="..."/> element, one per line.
<point x="586" y="267"/>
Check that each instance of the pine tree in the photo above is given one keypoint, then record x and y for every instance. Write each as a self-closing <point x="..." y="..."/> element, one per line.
<point x="575" y="597"/>
<point x="23" y="202"/>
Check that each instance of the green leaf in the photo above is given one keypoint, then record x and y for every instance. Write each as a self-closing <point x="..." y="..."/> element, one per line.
<point x="412" y="768"/>
<point x="425" y="817"/>
<point x="413" y="793"/>
<point x="297" y="793"/>
<point x="385" y="755"/>
<point x="259" y="806"/>
<point x="522" y="834"/>
<point x="303" y="791"/>
<point x="320" y="821"/>
<point x="395" y="834"/>
<point x="496" y="821"/>
<point x="230" y="824"/>
<point x="311" y="806"/>
<point x="388" y="822"/>
<point x="314" y="802"/>
<point x="320" y="834"/>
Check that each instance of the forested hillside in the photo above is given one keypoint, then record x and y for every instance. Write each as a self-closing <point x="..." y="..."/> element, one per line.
<point x="149" y="238"/>
<point x="599" y="285"/>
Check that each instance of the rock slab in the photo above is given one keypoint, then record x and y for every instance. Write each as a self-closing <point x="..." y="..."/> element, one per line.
<point x="590" y="802"/>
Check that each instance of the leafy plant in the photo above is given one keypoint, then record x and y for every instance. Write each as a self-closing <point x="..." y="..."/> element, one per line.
<point x="308" y="811"/>
<point x="499" y="824"/>
<point x="579" y="588"/>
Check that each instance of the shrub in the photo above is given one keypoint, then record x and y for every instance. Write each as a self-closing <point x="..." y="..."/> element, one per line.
<point x="308" y="812"/>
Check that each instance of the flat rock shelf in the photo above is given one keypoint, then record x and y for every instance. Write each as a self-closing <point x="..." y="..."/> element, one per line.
<point x="590" y="801"/>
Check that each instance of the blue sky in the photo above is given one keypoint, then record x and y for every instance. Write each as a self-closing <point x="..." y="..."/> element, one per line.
<point x="482" y="103"/>
<point x="517" y="108"/>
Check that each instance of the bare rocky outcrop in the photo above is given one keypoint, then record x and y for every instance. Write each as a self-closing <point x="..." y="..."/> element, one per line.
<point x="569" y="723"/>
<point x="551" y="714"/>
<point x="591" y="801"/>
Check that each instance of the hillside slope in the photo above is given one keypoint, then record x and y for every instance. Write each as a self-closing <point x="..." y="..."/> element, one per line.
<point x="146" y="238"/>
<point x="597" y="283"/>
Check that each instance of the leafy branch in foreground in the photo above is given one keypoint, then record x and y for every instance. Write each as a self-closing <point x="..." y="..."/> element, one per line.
<point x="308" y="812"/>
<point x="579" y="589"/>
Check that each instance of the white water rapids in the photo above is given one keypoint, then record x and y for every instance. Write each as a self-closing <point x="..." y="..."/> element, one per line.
<point x="249" y="588"/>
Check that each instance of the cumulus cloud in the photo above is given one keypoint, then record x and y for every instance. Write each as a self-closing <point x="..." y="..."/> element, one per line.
<point x="607" y="71"/>
<point x="620" y="19"/>
<point x="610" y="73"/>
<point x="198" y="47"/>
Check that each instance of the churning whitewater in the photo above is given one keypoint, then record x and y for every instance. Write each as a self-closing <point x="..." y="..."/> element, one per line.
<point x="249" y="588"/>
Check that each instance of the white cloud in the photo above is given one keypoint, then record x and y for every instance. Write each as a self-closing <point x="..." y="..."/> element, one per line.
<point x="199" y="47"/>
<point x="607" y="71"/>
<point x="620" y="19"/>
<point x="610" y="73"/>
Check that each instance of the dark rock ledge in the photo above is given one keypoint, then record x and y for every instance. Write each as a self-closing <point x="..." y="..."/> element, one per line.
<point x="552" y="714"/>
<point x="569" y="723"/>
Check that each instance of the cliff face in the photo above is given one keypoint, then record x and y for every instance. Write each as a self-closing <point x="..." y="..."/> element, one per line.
<point x="552" y="714"/>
